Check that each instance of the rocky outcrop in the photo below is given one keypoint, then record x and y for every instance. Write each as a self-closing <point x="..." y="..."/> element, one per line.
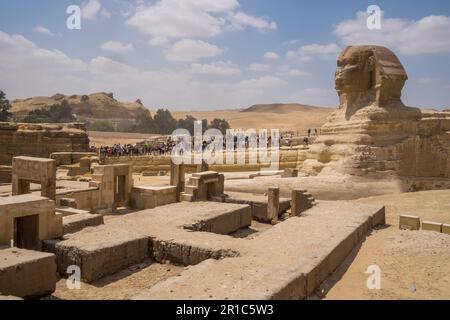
<point x="40" y="140"/>
<point x="94" y="106"/>
<point x="373" y="131"/>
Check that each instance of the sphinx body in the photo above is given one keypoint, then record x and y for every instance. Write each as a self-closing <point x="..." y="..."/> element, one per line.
<point x="372" y="131"/>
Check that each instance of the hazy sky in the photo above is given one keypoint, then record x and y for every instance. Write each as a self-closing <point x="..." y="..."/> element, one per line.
<point x="215" y="54"/>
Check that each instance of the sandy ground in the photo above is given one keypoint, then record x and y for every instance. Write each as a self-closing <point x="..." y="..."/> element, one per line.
<point x="299" y="121"/>
<point x="99" y="139"/>
<point x="414" y="264"/>
<point x="120" y="286"/>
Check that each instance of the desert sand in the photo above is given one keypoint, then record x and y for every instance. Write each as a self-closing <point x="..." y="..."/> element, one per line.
<point x="98" y="139"/>
<point x="414" y="264"/>
<point x="286" y="117"/>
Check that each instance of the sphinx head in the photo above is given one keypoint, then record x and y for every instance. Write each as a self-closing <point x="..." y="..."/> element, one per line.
<point x="369" y="75"/>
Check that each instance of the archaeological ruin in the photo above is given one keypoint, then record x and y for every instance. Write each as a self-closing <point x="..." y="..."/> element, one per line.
<point x="227" y="232"/>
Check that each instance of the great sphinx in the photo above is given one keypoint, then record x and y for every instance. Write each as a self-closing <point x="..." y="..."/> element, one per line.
<point x="372" y="130"/>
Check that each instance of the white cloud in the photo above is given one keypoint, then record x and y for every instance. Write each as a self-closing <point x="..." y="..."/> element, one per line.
<point x="90" y="9"/>
<point x="271" y="56"/>
<point x="191" y="50"/>
<point x="240" y="20"/>
<point x="430" y="34"/>
<point x="266" y="82"/>
<point x="174" y="19"/>
<point x="117" y="47"/>
<point x="29" y="70"/>
<point x="291" y="42"/>
<point x="43" y="30"/>
<point x="258" y="67"/>
<point x="219" y="68"/>
<point x="308" y="52"/>
<point x="105" y="13"/>
<point x="286" y="70"/>
<point x="159" y="41"/>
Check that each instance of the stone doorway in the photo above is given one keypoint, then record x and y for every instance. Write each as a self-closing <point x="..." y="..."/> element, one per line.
<point x="26" y="232"/>
<point x="120" y="189"/>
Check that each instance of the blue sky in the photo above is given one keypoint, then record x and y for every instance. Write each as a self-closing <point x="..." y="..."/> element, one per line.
<point x="220" y="54"/>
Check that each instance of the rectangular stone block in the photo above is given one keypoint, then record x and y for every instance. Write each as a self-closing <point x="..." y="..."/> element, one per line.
<point x="97" y="260"/>
<point x="432" y="226"/>
<point x="446" y="229"/>
<point x="408" y="222"/>
<point x="296" y="202"/>
<point x="151" y="197"/>
<point x="27" y="274"/>
<point x="238" y="217"/>
<point x="273" y="207"/>
<point x="77" y="222"/>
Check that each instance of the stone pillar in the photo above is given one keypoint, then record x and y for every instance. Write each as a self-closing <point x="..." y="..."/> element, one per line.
<point x="19" y="186"/>
<point x="48" y="181"/>
<point x="177" y="178"/>
<point x="221" y="185"/>
<point x="296" y="202"/>
<point x="273" y="206"/>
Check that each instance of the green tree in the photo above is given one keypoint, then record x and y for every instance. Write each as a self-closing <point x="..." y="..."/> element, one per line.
<point x="102" y="125"/>
<point x="59" y="113"/>
<point x="220" y="124"/>
<point x="144" y="123"/>
<point x="165" y="123"/>
<point x="62" y="112"/>
<point x="188" y="123"/>
<point x="5" y="115"/>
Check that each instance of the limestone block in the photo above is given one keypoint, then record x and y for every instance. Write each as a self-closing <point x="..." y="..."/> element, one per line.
<point x="273" y="207"/>
<point x="408" y="222"/>
<point x="97" y="260"/>
<point x="79" y="221"/>
<point x="27" y="274"/>
<point x="446" y="229"/>
<point x="37" y="216"/>
<point x="431" y="226"/>
<point x="296" y="202"/>
<point x="40" y="140"/>
<point x="151" y="197"/>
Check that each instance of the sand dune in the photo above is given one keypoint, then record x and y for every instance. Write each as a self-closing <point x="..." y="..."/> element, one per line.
<point x="285" y="117"/>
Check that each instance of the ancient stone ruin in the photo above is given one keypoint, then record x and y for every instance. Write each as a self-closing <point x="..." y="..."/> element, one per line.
<point x="373" y="131"/>
<point x="40" y="140"/>
<point x="229" y="234"/>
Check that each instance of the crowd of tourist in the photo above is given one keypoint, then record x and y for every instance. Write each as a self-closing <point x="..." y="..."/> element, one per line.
<point x="165" y="147"/>
<point x="130" y="150"/>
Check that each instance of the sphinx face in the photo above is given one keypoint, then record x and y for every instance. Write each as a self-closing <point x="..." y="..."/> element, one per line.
<point x="354" y="71"/>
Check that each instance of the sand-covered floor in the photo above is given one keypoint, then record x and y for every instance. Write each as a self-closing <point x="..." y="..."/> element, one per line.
<point x="414" y="264"/>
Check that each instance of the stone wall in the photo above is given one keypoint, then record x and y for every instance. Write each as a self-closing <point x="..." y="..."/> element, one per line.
<point x="40" y="140"/>
<point x="288" y="159"/>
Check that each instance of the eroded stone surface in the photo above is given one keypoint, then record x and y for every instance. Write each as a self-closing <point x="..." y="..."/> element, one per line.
<point x="286" y="262"/>
<point x="373" y="131"/>
<point x="26" y="273"/>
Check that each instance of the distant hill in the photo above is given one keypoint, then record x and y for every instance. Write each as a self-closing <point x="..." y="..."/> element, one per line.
<point x="286" y="117"/>
<point x="94" y="106"/>
<point x="283" y="108"/>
